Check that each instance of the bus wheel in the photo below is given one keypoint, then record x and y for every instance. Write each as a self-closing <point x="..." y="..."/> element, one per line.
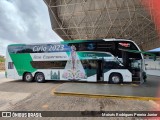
<point x="28" y="77"/>
<point x="39" y="77"/>
<point x="115" y="78"/>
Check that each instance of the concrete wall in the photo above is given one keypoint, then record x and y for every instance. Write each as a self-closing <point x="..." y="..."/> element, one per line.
<point x="152" y="67"/>
<point x="153" y="72"/>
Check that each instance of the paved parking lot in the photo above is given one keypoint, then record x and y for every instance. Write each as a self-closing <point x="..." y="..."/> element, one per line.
<point x="2" y="75"/>
<point x="146" y="91"/>
<point x="17" y="95"/>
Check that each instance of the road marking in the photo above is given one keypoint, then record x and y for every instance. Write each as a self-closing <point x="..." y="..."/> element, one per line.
<point x="135" y="85"/>
<point x="54" y="89"/>
<point x="132" y="84"/>
<point x="105" y="96"/>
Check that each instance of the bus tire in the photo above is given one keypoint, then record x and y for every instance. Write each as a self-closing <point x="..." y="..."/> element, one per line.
<point x="28" y="77"/>
<point x="115" y="78"/>
<point x="39" y="77"/>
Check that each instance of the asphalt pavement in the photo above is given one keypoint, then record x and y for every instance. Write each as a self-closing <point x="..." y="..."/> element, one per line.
<point x="144" y="91"/>
<point x="17" y="95"/>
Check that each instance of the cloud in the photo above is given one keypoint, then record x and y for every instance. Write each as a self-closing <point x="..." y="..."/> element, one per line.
<point x="24" y="21"/>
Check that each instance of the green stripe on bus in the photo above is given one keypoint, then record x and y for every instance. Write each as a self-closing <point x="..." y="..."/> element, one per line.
<point x="22" y="63"/>
<point x="17" y="45"/>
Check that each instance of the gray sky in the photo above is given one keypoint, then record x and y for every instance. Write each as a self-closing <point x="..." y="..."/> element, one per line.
<point x="24" y="21"/>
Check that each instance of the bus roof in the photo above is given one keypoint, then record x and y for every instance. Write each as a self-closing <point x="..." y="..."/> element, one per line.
<point x="72" y="41"/>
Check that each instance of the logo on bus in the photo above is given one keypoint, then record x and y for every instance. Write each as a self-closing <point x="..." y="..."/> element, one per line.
<point x="124" y="44"/>
<point x="91" y="46"/>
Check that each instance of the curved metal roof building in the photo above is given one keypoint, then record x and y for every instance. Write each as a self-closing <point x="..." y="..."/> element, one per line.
<point x="99" y="19"/>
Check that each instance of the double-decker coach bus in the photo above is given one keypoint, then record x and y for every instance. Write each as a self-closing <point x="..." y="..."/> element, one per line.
<point x="106" y="60"/>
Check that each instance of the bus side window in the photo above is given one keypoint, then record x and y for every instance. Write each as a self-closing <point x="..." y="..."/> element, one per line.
<point x="10" y="65"/>
<point x="110" y="65"/>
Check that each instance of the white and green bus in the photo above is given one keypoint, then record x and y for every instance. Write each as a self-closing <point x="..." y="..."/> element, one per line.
<point x="105" y="60"/>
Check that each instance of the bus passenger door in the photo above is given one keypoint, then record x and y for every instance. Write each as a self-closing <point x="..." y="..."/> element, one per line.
<point x="100" y="70"/>
<point x="90" y="67"/>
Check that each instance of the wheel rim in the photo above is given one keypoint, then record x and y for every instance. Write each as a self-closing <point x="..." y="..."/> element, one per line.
<point x="28" y="77"/>
<point x="115" y="79"/>
<point x="39" y="78"/>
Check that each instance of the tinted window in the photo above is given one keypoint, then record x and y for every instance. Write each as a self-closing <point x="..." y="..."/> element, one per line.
<point x="15" y="49"/>
<point x="111" y="65"/>
<point x="89" y="46"/>
<point x="105" y="46"/>
<point x="89" y="64"/>
<point x="10" y="65"/>
<point x="48" y="64"/>
<point x="41" y="48"/>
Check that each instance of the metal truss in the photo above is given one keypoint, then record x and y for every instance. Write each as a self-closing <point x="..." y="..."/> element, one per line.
<point x="98" y="19"/>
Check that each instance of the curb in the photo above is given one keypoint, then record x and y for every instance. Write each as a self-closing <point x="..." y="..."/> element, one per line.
<point x="105" y="96"/>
